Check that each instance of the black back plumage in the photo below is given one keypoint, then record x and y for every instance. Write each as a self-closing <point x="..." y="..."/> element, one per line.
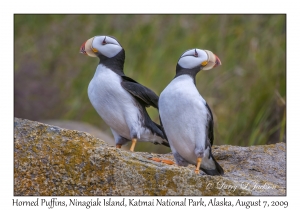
<point x="146" y="96"/>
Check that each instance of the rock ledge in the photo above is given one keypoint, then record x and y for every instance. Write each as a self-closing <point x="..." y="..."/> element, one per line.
<point x="51" y="161"/>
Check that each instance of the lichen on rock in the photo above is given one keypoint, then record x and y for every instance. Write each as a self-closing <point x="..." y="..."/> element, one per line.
<point x="51" y="161"/>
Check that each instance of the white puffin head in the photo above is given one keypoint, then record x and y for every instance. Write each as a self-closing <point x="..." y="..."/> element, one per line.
<point x="193" y="58"/>
<point x="104" y="45"/>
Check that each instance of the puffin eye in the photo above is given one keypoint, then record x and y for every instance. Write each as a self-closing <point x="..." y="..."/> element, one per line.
<point x="196" y="54"/>
<point x="104" y="42"/>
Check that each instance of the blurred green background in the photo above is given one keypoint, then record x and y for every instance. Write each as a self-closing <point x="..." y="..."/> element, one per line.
<point x="247" y="94"/>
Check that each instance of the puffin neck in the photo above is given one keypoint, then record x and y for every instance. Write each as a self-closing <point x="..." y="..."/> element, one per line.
<point x="191" y="72"/>
<point x="115" y="63"/>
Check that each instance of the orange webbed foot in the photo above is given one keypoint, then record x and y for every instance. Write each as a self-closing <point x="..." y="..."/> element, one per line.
<point x="169" y="162"/>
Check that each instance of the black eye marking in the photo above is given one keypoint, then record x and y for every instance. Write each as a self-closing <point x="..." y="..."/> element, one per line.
<point x="196" y="54"/>
<point x="104" y="42"/>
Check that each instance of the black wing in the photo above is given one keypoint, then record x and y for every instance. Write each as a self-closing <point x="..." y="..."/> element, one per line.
<point x="210" y="125"/>
<point x="140" y="92"/>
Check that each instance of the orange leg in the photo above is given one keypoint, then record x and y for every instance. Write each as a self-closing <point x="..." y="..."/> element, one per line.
<point x="198" y="165"/>
<point x="133" y="145"/>
<point x="118" y="145"/>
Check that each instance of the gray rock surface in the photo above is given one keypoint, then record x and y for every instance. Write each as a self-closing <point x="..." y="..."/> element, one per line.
<point x="81" y="126"/>
<point x="52" y="161"/>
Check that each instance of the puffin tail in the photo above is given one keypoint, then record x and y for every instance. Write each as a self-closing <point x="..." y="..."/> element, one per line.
<point x="214" y="172"/>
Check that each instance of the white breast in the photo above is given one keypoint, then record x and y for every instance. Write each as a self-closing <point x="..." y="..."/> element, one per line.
<point x="114" y="104"/>
<point x="184" y="116"/>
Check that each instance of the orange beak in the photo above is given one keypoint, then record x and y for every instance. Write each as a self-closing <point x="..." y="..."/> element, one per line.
<point x="218" y="62"/>
<point x="82" y="49"/>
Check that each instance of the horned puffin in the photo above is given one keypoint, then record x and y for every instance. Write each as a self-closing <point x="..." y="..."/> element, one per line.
<point x="186" y="117"/>
<point x="119" y="100"/>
